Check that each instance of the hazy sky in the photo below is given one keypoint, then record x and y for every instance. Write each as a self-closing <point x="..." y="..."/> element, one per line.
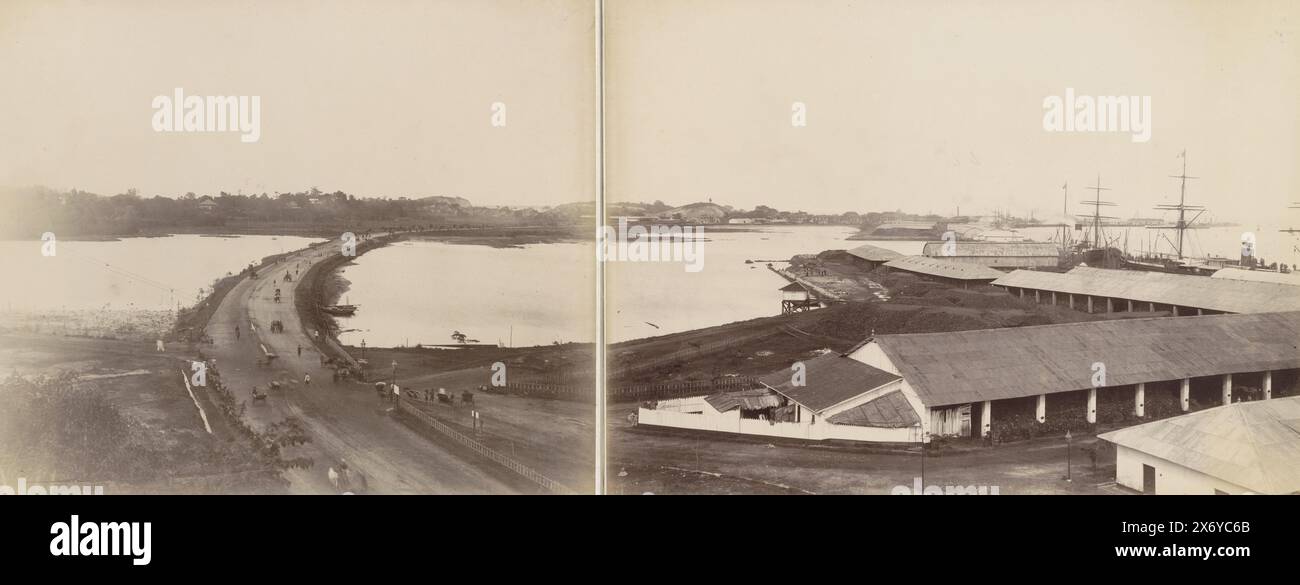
<point x="928" y="105"/>
<point x="377" y="98"/>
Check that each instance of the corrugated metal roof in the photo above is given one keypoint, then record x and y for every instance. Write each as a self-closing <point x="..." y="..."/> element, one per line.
<point x="945" y="268"/>
<point x="991" y="364"/>
<point x="1255" y="445"/>
<point x="889" y="411"/>
<point x="1219" y="294"/>
<point x="874" y="253"/>
<point x="993" y="249"/>
<point x="831" y="379"/>
<point x="1290" y="278"/>
<point x="754" y="399"/>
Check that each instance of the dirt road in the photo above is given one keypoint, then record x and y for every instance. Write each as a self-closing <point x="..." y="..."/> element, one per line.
<point x="345" y="420"/>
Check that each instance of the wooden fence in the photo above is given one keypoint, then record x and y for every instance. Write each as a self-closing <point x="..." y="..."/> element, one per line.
<point x="675" y="389"/>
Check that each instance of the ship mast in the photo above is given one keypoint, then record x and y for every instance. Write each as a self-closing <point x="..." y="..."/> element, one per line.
<point x="1182" y="208"/>
<point x="1291" y="230"/>
<point x="1097" y="204"/>
<point x="1065" y="212"/>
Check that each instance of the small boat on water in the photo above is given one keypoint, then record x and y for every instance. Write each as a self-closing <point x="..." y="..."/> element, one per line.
<point x="339" y="310"/>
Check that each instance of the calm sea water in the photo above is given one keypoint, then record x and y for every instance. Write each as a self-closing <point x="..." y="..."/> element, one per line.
<point x="646" y="299"/>
<point x="420" y="292"/>
<point x="133" y="273"/>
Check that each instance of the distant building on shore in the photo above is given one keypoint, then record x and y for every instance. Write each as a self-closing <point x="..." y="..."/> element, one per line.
<point x="871" y="257"/>
<point x="946" y="270"/>
<point x="996" y="254"/>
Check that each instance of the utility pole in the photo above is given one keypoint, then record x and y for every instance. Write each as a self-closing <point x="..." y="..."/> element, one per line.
<point x="1067" y="456"/>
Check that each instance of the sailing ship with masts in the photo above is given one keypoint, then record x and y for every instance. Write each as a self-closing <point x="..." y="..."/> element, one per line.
<point x="1168" y="251"/>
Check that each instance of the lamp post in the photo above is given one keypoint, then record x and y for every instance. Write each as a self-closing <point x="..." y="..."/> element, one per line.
<point x="924" y="435"/>
<point x="1067" y="456"/>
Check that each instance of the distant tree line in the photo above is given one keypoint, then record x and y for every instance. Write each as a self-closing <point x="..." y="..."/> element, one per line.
<point x="30" y="212"/>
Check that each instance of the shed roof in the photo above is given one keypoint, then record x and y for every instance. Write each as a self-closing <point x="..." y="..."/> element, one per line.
<point x="874" y="253"/>
<point x="945" y="268"/>
<point x="1291" y="278"/>
<point x="831" y="379"/>
<point x="994" y="249"/>
<point x="1219" y="294"/>
<point x="1255" y="445"/>
<point x="991" y="364"/>
<point x="891" y="410"/>
<point x="753" y="399"/>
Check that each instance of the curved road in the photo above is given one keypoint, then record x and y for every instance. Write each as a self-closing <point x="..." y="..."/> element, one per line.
<point x="345" y="421"/>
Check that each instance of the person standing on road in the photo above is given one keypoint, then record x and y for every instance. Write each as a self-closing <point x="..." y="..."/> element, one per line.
<point x="300" y="351"/>
<point x="306" y="379"/>
<point x="236" y="332"/>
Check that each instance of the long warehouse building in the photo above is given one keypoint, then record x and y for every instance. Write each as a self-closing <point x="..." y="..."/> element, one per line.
<point x="911" y="387"/>
<point x="1098" y="290"/>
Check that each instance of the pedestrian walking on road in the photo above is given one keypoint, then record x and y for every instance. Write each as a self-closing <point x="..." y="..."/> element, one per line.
<point x="299" y="351"/>
<point x="306" y="379"/>
<point x="236" y="332"/>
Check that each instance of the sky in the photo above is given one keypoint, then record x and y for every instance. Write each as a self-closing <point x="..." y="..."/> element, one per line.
<point x="925" y="106"/>
<point x="378" y="98"/>
<point x="932" y="105"/>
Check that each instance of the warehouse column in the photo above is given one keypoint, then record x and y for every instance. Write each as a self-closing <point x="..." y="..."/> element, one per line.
<point x="1089" y="303"/>
<point x="1042" y="408"/>
<point x="1185" y="394"/>
<point x="1022" y="292"/>
<point x="1037" y="299"/>
<point x="1071" y="300"/>
<point x="1053" y="297"/>
<point x="1092" y="405"/>
<point x="1130" y="305"/>
<point x="986" y="417"/>
<point x="1110" y="305"/>
<point x="1227" y="388"/>
<point x="1139" y="400"/>
<point x="1200" y="311"/>
<point x="1268" y="384"/>
<point x="1153" y="307"/>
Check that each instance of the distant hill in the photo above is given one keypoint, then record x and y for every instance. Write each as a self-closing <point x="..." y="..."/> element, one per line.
<point x="444" y="201"/>
<point x="701" y="212"/>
